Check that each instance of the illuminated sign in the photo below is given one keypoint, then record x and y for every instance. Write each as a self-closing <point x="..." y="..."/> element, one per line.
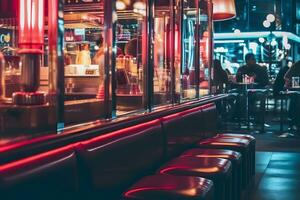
<point x="5" y="37"/>
<point x="79" y="31"/>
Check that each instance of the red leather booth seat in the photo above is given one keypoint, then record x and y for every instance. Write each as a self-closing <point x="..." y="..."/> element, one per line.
<point x="233" y="156"/>
<point x="49" y="175"/>
<point x="113" y="162"/>
<point x="217" y="169"/>
<point x="168" y="187"/>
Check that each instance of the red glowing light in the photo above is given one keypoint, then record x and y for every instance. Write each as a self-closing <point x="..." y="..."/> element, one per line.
<point x="39" y="158"/>
<point x="31" y="21"/>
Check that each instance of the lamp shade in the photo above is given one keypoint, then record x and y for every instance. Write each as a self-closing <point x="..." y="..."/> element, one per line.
<point x="223" y="10"/>
<point x="31" y="24"/>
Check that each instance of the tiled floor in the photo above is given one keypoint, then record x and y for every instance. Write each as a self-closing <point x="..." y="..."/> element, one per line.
<point x="277" y="177"/>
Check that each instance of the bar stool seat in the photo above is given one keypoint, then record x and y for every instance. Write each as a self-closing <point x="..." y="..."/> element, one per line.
<point x="217" y="169"/>
<point x="235" y="144"/>
<point x="169" y="187"/>
<point x="233" y="156"/>
<point x="252" y="141"/>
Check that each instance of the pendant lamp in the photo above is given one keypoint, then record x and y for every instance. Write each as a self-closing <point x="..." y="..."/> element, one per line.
<point x="223" y="10"/>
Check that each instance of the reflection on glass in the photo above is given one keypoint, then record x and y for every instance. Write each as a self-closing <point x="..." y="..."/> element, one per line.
<point x="177" y="50"/>
<point x="188" y="49"/>
<point x="24" y="68"/>
<point x="204" y="48"/>
<point x="84" y="61"/>
<point x="162" y="53"/>
<point x="131" y="40"/>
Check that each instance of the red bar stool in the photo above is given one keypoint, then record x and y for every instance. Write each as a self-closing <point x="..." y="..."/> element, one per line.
<point x="233" y="156"/>
<point x="170" y="188"/>
<point x="217" y="169"/>
<point x="235" y="144"/>
<point x="252" y="146"/>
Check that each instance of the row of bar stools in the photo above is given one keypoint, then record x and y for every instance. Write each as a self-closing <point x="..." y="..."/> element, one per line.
<point x="233" y="156"/>
<point x="235" y="144"/>
<point x="191" y="164"/>
<point x="252" y="142"/>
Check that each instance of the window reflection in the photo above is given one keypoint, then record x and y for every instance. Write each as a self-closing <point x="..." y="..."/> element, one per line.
<point x="83" y="61"/>
<point x="162" y="53"/>
<point x="204" y="35"/>
<point x="131" y="40"/>
<point x="188" y="49"/>
<point x="24" y="68"/>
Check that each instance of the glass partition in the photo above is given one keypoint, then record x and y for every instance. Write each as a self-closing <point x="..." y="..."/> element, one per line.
<point x="204" y="43"/>
<point x="162" y="65"/>
<point x="178" y="89"/>
<point x="84" y="67"/>
<point x="131" y="55"/>
<point x="86" y="60"/>
<point x="189" y="50"/>
<point x="24" y="68"/>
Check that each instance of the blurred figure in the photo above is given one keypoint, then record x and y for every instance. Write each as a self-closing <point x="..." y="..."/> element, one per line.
<point x="99" y="56"/>
<point x="83" y="56"/>
<point x="133" y="47"/>
<point x="220" y="76"/>
<point x="254" y="70"/>
<point x="294" y="71"/>
<point x="294" y="105"/>
<point x="67" y="58"/>
<point x="279" y="81"/>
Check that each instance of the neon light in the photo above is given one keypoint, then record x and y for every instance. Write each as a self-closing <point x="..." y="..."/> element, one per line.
<point x="256" y="35"/>
<point x="45" y="155"/>
<point x="228" y="41"/>
<point x="31" y="18"/>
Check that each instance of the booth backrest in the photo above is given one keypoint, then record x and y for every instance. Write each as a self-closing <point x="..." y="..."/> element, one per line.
<point x="210" y="120"/>
<point x="112" y="162"/>
<point x="49" y="175"/>
<point x="182" y="130"/>
<point x="185" y="128"/>
<point x="192" y="120"/>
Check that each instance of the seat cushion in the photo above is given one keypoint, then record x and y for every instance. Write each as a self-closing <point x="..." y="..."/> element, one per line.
<point x="193" y="166"/>
<point x="213" y="153"/>
<point x="230" y="142"/>
<point x="171" y="188"/>
<point x="234" y="135"/>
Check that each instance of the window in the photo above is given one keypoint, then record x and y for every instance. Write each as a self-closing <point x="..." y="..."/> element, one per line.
<point x="26" y="101"/>
<point x="84" y="66"/>
<point x="205" y="44"/>
<point x="131" y="56"/>
<point x="162" y="50"/>
<point x="189" y="50"/>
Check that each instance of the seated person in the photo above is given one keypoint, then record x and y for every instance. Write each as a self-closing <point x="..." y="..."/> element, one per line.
<point x="260" y="76"/>
<point x="294" y="105"/>
<point x="279" y="81"/>
<point x="220" y="76"/>
<point x="294" y="71"/>
<point x="254" y="70"/>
